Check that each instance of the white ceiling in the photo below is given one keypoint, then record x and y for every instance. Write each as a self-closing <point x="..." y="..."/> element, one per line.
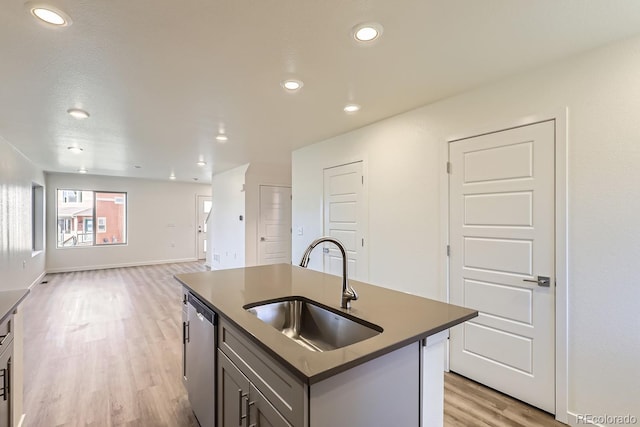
<point x="161" y="77"/>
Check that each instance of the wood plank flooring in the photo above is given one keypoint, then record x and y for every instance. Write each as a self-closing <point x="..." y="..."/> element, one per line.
<point x="103" y="348"/>
<point x="467" y="403"/>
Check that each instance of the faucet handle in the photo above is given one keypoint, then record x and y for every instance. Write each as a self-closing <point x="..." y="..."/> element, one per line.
<point x="349" y="294"/>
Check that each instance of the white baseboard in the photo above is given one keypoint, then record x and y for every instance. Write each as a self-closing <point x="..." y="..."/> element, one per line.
<point x="35" y="282"/>
<point x="119" y="265"/>
<point x="21" y="420"/>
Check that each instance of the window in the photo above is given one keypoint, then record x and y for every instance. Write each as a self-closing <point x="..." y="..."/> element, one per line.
<point x="37" y="218"/>
<point x="72" y="196"/>
<point x="78" y="212"/>
<point x="102" y="225"/>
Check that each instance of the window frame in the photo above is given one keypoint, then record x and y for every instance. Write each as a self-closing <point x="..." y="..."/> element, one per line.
<point x="37" y="218"/>
<point x="123" y="197"/>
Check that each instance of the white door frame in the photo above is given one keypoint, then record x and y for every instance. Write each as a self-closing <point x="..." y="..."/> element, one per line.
<point x="197" y="222"/>
<point x="560" y="116"/>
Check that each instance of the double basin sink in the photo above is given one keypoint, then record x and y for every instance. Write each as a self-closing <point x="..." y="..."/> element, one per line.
<point x="312" y="325"/>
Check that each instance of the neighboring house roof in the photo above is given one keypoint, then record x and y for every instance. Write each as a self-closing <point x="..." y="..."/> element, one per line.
<point x="71" y="212"/>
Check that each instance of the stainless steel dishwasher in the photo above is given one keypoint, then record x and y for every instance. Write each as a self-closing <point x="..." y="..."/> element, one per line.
<point x="200" y="342"/>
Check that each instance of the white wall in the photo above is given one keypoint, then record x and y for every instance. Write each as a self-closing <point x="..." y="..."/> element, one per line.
<point x="259" y="174"/>
<point x="237" y="192"/>
<point x="227" y="243"/>
<point x="405" y="165"/>
<point x="161" y="218"/>
<point x="19" y="267"/>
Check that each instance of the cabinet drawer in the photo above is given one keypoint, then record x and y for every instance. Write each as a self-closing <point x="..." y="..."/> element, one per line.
<point x="284" y="391"/>
<point x="6" y="332"/>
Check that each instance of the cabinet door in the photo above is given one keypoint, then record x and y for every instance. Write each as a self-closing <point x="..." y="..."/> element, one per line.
<point x="5" y="392"/>
<point x="263" y="414"/>
<point x="185" y="330"/>
<point x="233" y="394"/>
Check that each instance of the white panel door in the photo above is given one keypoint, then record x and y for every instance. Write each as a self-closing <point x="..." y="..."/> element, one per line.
<point x="274" y="227"/>
<point x="345" y="218"/>
<point x="204" y="207"/>
<point x="502" y="239"/>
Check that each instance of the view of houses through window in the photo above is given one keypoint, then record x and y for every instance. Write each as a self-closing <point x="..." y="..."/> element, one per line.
<point x="91" y="218"/>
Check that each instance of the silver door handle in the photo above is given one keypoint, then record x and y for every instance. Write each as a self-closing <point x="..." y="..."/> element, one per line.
<point x="541" y="281"/>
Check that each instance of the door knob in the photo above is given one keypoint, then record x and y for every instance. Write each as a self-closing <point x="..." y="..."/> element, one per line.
<point x="544" y="281"/>
<point x="262" y="239"/>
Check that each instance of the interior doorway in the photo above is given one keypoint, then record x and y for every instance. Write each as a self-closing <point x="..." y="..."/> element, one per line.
<point x="502" y="260"/>
<point x="274" y="226"/>
<point x="346" y="219"/>
<point x="203" y="216"/>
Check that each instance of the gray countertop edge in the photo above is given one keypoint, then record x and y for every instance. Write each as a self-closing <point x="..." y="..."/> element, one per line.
<point x="313" y="379"/>
<point x="338" y="368"/>
<point x="9" y="300"/>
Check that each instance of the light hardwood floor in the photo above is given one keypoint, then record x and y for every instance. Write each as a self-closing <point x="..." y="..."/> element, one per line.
<point x="103" y="348"/>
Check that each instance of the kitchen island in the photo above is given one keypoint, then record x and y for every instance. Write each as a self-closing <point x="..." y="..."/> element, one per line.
<point x="392" y="378"/>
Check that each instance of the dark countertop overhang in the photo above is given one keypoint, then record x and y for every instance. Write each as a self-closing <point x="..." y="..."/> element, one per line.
<point x="9" y="300"/>
<point x="405" y="318"/>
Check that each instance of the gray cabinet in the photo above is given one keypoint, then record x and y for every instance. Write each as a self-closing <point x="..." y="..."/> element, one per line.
<point x="249" y="377"/>
<point x="240" y="403"/>
<point x="233" y="394"/>
<point x="6" y="372"/>
<point x="263" y="414"/>
<point x="253" y="389"/>
<point x="383" y="391"/>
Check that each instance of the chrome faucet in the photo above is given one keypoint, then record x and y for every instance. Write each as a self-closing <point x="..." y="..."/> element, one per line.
<point x="348" y="293"/>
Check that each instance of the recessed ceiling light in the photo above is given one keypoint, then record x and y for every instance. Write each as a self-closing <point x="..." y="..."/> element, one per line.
<point x="82" y="170"/>
<point x="76" y="150"/>
<point x="78" y="113"/>
<point x="137" y="166"/>
<point x="351" y="108"/>
<point x="50" y="15"/>
<point x="292" y="85"/>
<point x="201" y="163"/>
<point x="367" y="32"/>
<point x="172" y="177"/>
<point x="222" y="138"/>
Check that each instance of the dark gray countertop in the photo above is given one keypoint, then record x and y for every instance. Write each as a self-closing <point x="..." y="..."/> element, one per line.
<point x="9" y="300"/>
<point x="405" y="318"/>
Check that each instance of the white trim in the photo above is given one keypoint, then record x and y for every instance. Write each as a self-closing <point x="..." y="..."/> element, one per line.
<point x="561" y="118"/>
<point x="562" y="265"/>
<point x="444" y="233"/>
<point x="197" y="222"/>
<point x="119" y="265"/>
<point x="38" y="280"/>
<point x="21" y="420"/>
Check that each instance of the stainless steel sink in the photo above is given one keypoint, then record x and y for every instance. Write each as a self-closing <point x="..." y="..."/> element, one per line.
<point x="311" y="325"/>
